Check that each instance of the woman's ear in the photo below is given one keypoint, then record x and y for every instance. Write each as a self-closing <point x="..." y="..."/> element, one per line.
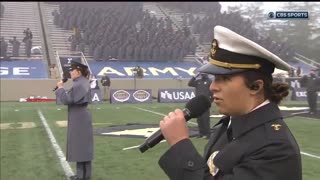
<point x="257" y="85"/>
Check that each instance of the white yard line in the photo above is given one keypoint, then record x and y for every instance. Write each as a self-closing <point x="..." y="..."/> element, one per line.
<point x="158" y="113"/>
<point x="310" y="155"/>
<point x="132" y="147"/>
<point x="65" y="165"/>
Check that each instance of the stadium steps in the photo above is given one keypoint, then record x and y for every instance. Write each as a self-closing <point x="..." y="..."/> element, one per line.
<point x="155" y="10"/>
<point x="176" y="18"/>
<point x="17" y="17"/>
<point x="58" y="36"/>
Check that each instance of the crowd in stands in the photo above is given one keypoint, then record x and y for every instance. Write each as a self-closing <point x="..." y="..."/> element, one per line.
<point x="16" y="45"/>
<point x="1" y="10"/>
<point x="193" y="7"/>
<point x="213" y="16"/>
<point x="123" y="31"/>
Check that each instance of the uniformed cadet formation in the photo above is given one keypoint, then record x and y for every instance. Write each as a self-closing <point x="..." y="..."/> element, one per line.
<point x="213" y="16"/>
<point x="2" y="8"/>
<point x="252" y="141"/>
<point x="111" y="32"/>
<point x="16" y="45"/>
<point x="79" y="133"/>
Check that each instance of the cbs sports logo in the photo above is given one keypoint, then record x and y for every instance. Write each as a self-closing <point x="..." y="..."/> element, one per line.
<point x="303" y="15"/>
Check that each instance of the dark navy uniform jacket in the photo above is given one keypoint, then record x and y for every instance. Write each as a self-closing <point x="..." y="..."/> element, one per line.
<point x="262" y="148"/>
<point x="202" y="86"/>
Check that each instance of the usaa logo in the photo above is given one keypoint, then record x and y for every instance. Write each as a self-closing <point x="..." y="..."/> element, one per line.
<point x="121" y="95"/>
<point x="141" y="95"/>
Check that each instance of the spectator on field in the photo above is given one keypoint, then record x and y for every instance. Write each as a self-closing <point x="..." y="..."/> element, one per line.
<point x="312" y="84"/>
<point x="94" y="83"/>
<point x="299" y="71"/>
<point x="201" y="83"/>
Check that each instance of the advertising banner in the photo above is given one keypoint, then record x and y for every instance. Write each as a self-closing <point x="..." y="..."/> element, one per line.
<point x="23" y="69"/>
<point x="298" y="92"/>
<point x="175" y="95"/>
<point x="151" y="70"/>
<point x="130" y="96"/>
<point x="96" y="97"/>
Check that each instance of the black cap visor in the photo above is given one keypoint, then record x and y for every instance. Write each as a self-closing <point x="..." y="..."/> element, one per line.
<point x="216" y="70"/>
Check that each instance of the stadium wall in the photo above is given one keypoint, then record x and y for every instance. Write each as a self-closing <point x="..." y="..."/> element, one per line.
<point x="13" y="90"/>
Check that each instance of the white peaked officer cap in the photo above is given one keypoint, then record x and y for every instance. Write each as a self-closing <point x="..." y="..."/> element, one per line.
<point x="232" y="53"/>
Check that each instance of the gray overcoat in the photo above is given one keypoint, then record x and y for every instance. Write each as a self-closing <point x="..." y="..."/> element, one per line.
<point x="79" y="134"/>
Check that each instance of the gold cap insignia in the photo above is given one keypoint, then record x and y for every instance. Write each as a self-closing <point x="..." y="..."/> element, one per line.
<point x="214" y="46"/>
<point x="276" y="127"/>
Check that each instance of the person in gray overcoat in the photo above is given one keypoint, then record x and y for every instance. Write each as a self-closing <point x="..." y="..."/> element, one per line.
<point x="79" y="133"/>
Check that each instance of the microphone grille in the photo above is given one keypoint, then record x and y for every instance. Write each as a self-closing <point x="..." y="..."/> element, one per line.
<point x="198" y="105"/>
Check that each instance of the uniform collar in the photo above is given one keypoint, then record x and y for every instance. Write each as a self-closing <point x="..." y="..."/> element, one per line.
<point x="78" y="78"/>
<point x="260" y="115"/>
<point x="262" y="104"/>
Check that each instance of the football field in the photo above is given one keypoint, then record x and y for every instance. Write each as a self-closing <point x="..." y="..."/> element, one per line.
<point x="33" y="139"/>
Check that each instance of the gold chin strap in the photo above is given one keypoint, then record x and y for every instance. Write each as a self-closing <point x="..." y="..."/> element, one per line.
<point x="233" y="65"/>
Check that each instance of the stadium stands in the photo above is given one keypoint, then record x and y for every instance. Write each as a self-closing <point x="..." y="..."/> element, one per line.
<point x="58" y="36"/>
<point x="17" y="17"/>
<point x="200" y="18"/>
<point x="127" y="31"/>
<point x="136" y="35"/>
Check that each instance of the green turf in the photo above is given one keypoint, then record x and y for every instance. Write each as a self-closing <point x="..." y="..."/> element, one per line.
<point x="27" y="153"/>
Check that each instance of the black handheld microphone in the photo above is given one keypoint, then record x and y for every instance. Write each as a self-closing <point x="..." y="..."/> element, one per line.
<point x="65" y="79"/>
<point x="194" y="108"/>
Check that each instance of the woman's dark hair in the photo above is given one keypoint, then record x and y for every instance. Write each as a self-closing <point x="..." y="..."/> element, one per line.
<point x="85" y="72"/>
<point x="275" y="92"/>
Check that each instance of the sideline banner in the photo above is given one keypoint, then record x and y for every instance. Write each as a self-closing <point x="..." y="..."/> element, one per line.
<point x="130" y="96"/>
<point x="175" y="95"/>
<point x="23" y="69"/>
<point x="96" y="97"/>
<point x="298" y="92"/>
<point x="151" y="69"/>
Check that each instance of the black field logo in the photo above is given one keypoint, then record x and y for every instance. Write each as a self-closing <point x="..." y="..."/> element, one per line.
<point x="121" y="95"/>
<point x="141" y="95"/>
